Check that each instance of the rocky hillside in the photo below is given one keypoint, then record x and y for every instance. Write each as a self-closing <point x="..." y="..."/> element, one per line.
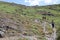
<point x="27" y="20"/>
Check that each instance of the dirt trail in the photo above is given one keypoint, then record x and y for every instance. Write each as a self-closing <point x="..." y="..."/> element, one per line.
<point x="10" y="38"/>
<point x="48" y="36"/>
<point x="29" y="37"/>
<point x="52" y="36"/>
<point x="17" y="37"/>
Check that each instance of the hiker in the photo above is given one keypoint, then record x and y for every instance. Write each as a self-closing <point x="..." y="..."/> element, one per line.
<point x="52" y="24"/>
<point x="44" y="23"/>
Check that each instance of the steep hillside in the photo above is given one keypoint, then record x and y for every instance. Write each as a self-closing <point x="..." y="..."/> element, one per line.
<point x="27" y="20"/>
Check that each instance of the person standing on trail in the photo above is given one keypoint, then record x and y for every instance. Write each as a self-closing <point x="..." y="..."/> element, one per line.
<point x="44" y="23"/>
<point x="52" y="24"/>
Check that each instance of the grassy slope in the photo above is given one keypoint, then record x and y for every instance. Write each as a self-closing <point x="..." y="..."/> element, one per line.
<point x="26" y="15"/>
